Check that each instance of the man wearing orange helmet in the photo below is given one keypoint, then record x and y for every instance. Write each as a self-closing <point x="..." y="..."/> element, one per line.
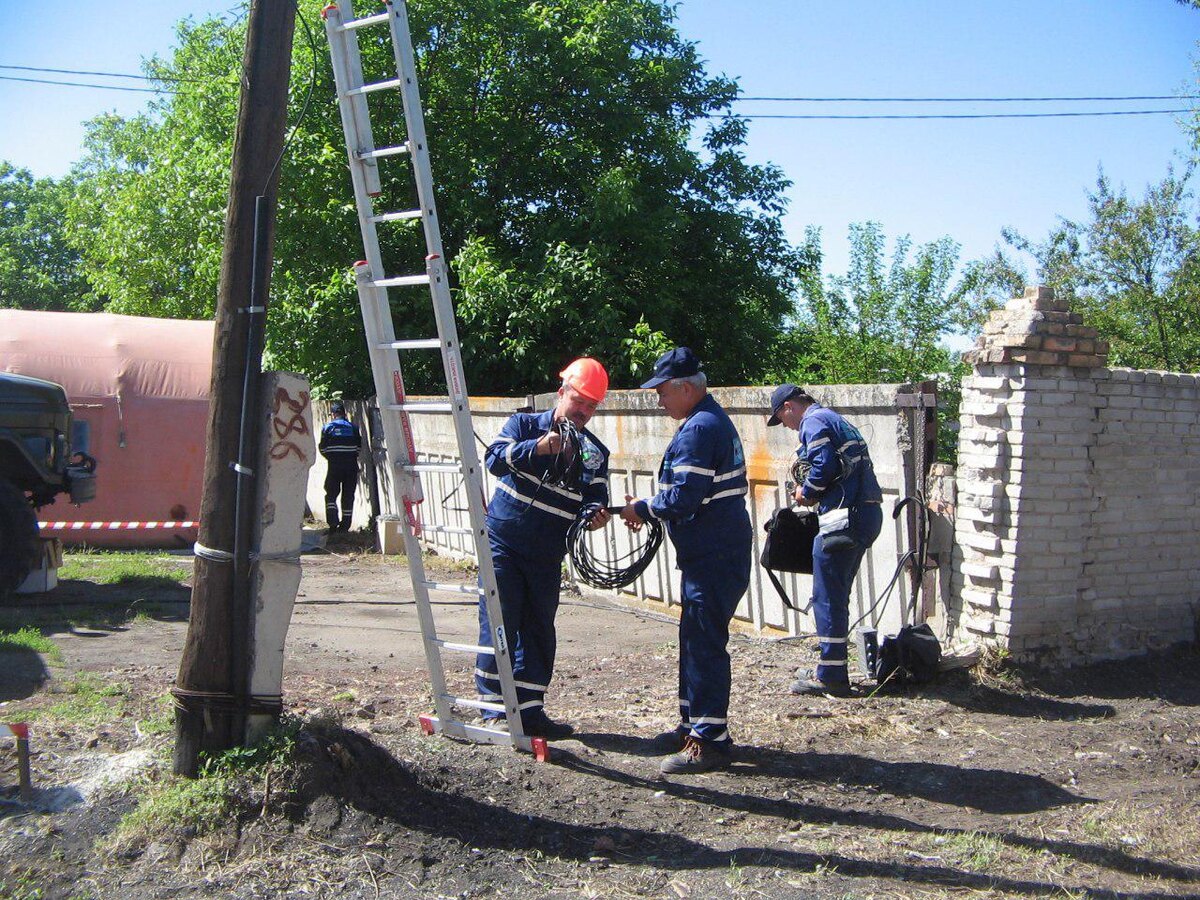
<point x="547" y="466"/>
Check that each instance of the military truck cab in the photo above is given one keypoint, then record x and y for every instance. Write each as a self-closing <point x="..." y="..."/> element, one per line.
<point x="37" y="465"/>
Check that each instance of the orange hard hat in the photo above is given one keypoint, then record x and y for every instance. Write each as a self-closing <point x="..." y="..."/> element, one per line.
<point x="588" y="377"/>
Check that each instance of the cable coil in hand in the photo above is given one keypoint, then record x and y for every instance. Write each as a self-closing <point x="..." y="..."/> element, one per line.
<point x="619" y="572"/>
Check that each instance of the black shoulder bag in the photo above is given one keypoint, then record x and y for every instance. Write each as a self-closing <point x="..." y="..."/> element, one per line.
<point x="789" y="547"/>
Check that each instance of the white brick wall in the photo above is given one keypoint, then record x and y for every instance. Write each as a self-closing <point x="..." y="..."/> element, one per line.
<point x="1078" y="520"/>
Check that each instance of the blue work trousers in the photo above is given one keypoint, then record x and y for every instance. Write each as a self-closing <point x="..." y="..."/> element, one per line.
<point x="529" y="593"/>
<point x="833" y="576"/>
<point x="711" y="588"/>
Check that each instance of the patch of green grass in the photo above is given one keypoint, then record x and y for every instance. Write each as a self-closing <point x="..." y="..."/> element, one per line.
<point x="125" y="568"/>
<point x="87" y="701"/>
<point x="347" y="696"/>
<point x="187" y="808"/>
<point x="30" y="639"/>
<point x="22" y="887"/>
<point x="177" y="804"/>
<point x="161" y="720"/>
<point x="972" y="850"/>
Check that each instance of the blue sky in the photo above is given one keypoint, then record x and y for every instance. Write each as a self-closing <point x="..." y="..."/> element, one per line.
<point x="925" y="178"/>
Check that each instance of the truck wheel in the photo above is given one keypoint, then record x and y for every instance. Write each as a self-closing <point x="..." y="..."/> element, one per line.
<point x="18" y="538"/>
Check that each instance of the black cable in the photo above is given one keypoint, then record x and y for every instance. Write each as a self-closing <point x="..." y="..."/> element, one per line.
<point x="312" y="83"/>
<point x="619" y="572"/>
<point x="565" y="467"/>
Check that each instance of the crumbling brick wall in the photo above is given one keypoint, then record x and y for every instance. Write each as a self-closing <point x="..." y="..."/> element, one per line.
<point x="1077" y="526"/>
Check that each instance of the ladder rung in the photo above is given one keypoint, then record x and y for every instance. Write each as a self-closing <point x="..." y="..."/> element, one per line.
<point x="429" y="467"/>
<point x="422" y="344"/>
<point x="447" y="529"/>
<point x="464" y="648"/>
<point x="372" y="88"/>
<point x="378" y="19"/>
<point x="402" y="281"/>
<point x="397" y="216"/>
<point x="453" y="588"/>
<point x="421" y="407"/>
<point x="474" y="704"/>
<point x="382" y="152"/>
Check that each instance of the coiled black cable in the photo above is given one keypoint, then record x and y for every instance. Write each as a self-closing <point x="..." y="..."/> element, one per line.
<point x="619" y="572"/>
<point x="565" y="468"/>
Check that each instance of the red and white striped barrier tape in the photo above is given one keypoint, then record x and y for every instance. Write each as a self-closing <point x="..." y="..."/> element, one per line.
<point x="16" y="729"/>
<point x="112" y="526"/>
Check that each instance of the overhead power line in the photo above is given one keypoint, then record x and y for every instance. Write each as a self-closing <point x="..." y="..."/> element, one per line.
<point x="106" y="87"/>
<point x="105" y="74"/>
<point x="1113" y="98"/>
<point x="798" y="116"/>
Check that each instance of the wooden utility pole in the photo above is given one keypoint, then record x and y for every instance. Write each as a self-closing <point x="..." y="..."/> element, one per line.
<point x="211" y="690"/>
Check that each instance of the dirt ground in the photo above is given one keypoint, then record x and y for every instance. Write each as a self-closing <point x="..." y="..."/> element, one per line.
<point x="985" y="784"/>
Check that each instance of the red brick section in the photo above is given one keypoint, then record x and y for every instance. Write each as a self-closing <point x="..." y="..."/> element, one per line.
<point x="1038" y="330"/>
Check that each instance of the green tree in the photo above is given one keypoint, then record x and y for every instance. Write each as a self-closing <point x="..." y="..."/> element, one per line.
<point x="577" y="212"/>
<point x="38" y="269"/>
<point x="1132" y="268"/>
<point x="882" y="320"/>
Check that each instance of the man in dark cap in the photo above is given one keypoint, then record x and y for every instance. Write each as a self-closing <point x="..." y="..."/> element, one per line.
<point x="340" y="443"/>
<point x="702" y="498"/>
<point x="839" y="476"/>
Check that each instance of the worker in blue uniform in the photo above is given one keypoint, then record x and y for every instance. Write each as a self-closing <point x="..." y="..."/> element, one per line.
<point x="340" y="443"/>
<point x="547" y="466"/>
<point x="702" y="498"/>
<point x="840" y="481"/>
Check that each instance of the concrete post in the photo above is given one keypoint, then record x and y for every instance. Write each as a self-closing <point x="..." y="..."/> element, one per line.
<point x="288" y="450"/>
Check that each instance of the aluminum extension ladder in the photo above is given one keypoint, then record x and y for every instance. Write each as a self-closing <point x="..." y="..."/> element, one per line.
<point x="373" y="286"/>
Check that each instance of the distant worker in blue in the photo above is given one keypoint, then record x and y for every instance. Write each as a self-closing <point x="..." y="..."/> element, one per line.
<point x="702" y="498"/>
<point x="548" y="466"/>
<point x="839" y="475"/>
<point x="340" y="443"/>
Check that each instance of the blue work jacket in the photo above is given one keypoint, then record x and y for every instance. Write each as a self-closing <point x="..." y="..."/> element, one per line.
<point x="340" y="443"/>
<point x="841" y="472"/>
<point x="702" y="487"/>
<point x="527" y="514"/>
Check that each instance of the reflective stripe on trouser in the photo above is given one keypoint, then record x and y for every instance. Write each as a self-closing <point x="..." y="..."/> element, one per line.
<point x="833" y="576"/>
<point x="529" y="601"/>
<point x="341" y="480"/>
<point x="710" y="591"/>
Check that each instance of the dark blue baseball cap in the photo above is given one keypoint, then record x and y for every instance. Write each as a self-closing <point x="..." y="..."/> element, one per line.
<point x="678" y="363"/>
<point x="782" y="395"/>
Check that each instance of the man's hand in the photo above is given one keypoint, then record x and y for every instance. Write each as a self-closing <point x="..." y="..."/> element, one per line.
<point x="799" y="497"/>
<point x="548" y="444"/>
<point x="633" y="521"/>
<point x="599" y="519"/>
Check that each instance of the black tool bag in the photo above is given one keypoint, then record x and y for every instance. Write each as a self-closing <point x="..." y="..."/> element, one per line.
<point x="789" y="547"/>
<point x="910" y="656"/>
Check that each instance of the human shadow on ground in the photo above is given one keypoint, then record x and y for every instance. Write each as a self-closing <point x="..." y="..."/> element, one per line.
<point x="987" y="790"/>
<point x="22" y="673"/>
<point x="841" y="769"/>
<point x="377" y="784"/>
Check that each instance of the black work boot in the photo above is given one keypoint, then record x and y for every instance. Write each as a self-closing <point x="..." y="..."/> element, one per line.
<point x="697" y="757"/>
<point x="819" y="688"/>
